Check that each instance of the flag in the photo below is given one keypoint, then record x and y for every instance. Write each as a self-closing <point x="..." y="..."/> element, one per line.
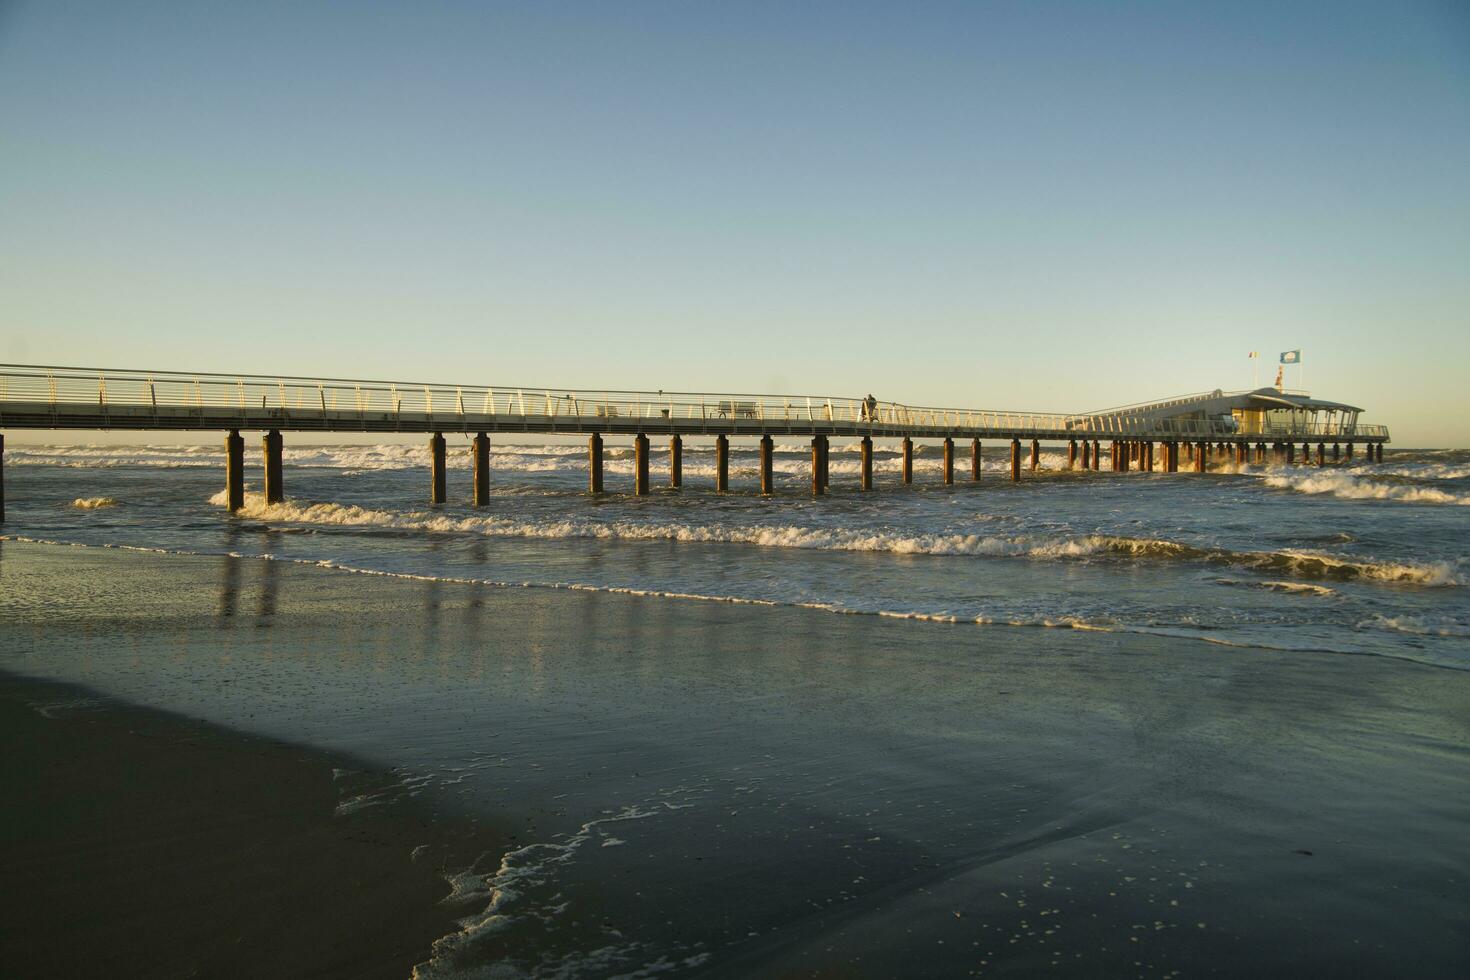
<point x="1254" y="353"/>
<point x="1291" y="356"/>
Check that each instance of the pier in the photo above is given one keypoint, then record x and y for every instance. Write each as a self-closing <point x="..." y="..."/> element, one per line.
<point x="1225" y="428"/>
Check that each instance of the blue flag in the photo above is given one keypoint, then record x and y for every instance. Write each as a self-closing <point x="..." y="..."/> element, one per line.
<point x="1291" y="357"/>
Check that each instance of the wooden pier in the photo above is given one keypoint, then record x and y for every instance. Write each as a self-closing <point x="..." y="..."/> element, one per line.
<point x="1219" y="427"/>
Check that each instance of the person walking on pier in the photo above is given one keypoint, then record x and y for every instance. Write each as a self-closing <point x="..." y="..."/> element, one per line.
<point x="870" y="408"/>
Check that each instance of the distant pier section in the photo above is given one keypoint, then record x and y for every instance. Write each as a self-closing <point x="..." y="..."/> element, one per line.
<point x="1191" y="431"/>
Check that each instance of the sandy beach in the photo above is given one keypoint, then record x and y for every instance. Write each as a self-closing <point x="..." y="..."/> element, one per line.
<point x="726" y="789"/>
<point x="141" y="843"/>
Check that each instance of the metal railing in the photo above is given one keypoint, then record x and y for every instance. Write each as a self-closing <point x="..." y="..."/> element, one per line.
<point x="170" y="397"/>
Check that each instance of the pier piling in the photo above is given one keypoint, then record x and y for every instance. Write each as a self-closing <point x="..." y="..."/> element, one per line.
<point x="974" y="460"/>
<point x="594" y="463"/>
<point x="1086" y="455"/>
<point x="640" y="465"/>
<point x="948" y="460"/>
<point x="1349" y="452"/>
<point x="480" y="451"/>
<point x="676" y="462"/>
<point x="2" y="477"/>
<point x="234" y="471"/>
<point x="1199" y="457"/>
<point x="1035" y="454"/>
<point x="867" y="464"/>
<point x="270" y="446"/>
<point x="1337" y="452"/>
<point x="908" y="460"/>
<point x="767" y="468"/>
<point x="1015" y="460"/>
<point x="818" y="487"/>
<point x="1321" y="454"/>
<point x="1071" y="454"/>
<point x="722" y="464"/>
<point x="436" y="468"/>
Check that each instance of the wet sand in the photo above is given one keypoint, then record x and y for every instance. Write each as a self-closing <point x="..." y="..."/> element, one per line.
<point x="729" y="790"/>
<point x="139" y="843"/>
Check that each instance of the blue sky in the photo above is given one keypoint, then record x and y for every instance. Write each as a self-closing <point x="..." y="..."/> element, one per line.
<point x="1021" y="205"/>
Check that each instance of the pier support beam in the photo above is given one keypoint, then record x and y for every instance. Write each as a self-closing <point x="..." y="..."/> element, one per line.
<point x="1096" y="454"/>
<point x="234" y="471"/>
<point x="1125" y="450"/>
<point x="1349" y="452"/>
<point x="436" y="468"/>
<point x="676" y="462"/>
<point x="270" y="447"/>
<point x="908" y="460"/>
<point x="1242" y="451"/>
<point x="640" y="465"/>
<point x="766" y="466"/>
<point x="1199" y="456"/>
<point x="826" y="463"/>
<point x="1035" y="454"/>
<point x="594" y="463"/>
<point x="867" y="464"/>
<point x="818" y="486"/>
<point x="974" y="460"/>
<point x="1015" y="460"/>
<point x="1086" y="455"/>
<point x="1071" y="454"/>
<point x="2" y="477"/>
<point x="1378" y="453"/>
<point x="948" y="460"/>
<point x="1171" y="457"/>
<point x="480" y="450"/>
<point x="1337" y="452"/>
<point x="1321" y="454"/>
<point x="722" y="464"/>
<point x="1291" y="453"/>
<point x="1148" y="457"/>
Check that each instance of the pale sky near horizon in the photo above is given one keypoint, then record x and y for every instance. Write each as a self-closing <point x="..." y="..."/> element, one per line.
<point x="1050" y="206"/>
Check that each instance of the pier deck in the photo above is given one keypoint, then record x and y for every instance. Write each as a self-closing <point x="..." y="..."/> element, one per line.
<point x="1217" y="425"/>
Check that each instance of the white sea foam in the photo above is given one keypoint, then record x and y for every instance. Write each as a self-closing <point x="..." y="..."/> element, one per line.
<point x="1351" y="487"/>
<point x="520" y="872"/>
<point x="1425" y="625"/>
<point x="93" y="503"/>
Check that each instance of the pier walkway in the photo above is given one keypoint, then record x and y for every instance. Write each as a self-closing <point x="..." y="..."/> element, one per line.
<point x="1207" y="424"/>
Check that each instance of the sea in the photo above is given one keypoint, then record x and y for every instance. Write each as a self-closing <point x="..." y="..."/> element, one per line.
<point x="1359" y="558"/>
<point x="1086" y="724"/>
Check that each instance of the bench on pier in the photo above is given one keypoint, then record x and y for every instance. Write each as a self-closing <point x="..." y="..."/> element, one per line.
<point x="737" y="410"/>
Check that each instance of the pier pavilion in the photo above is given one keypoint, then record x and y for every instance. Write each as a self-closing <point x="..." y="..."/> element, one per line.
<point x="1195" y="431"/>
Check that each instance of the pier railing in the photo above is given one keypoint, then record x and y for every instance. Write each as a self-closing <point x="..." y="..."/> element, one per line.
<point x="168" y="400"/>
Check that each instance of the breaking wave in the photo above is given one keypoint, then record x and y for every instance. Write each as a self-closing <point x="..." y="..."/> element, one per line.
<point x="93" y="503"/>
<point x="1357" y="488"/>
<point x="1297" y="564"/>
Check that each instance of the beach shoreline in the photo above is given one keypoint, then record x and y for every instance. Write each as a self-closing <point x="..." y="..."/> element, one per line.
<point x="149" y="843"/>
<point x="676" y="786"/>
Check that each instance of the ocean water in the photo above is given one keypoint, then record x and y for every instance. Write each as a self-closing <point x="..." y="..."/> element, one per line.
<point x="1352" y="559"/>
<point x="1092" y="724"/>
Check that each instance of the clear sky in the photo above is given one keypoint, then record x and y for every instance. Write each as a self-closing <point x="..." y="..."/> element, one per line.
<point x="998" y="205"/>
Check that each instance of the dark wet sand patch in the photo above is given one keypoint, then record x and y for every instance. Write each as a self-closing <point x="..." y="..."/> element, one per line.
<point x="140" y="843"/>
